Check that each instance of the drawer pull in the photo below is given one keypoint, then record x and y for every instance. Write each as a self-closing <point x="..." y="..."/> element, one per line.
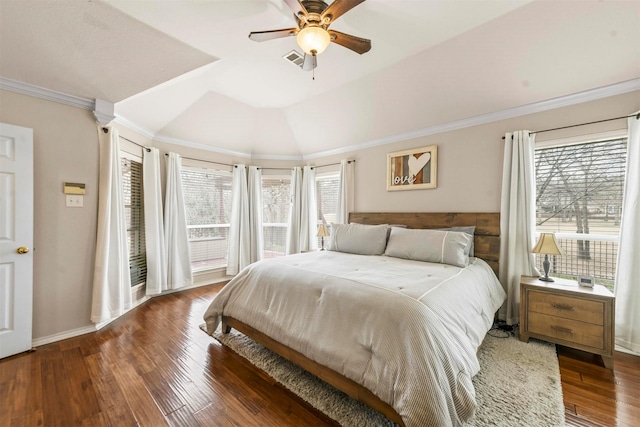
<point x="566" y="307"/>
<point x="561" y="329"/>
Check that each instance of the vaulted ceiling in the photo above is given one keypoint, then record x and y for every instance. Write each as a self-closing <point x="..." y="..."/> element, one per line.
<point x="185" y="71"/>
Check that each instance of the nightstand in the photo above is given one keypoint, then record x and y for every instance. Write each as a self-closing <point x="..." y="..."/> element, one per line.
<point x="564" y="313"/>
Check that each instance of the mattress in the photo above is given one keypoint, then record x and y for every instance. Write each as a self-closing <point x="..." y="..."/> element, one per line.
<point x="406" y="330"/>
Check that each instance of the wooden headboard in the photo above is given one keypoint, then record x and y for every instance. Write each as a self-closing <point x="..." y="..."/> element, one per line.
<point x="487" y="236"/>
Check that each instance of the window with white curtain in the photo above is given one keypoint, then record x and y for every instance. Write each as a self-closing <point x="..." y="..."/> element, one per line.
<point x="579" y="190"/>
<point x="276" y="202"/>
<point x="131" y="167"/>
<point x="207" y="199"/>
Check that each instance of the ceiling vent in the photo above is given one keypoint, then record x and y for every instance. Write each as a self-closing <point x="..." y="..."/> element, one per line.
<point x="295" y="58"/>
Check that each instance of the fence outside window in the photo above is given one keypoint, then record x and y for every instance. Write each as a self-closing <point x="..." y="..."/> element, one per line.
<point x="585" y="254"/>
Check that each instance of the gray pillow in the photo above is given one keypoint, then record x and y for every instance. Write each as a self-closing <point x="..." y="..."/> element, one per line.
<point x="471" y="230"/>
<point x="358" y="238"/>
<point x="445" y="247"/>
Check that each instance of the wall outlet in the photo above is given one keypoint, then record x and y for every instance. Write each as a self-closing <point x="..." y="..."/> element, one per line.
<point x="75" y="201"/>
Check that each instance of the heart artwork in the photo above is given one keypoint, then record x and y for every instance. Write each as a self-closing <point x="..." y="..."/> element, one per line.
<point x="416" y="165"/>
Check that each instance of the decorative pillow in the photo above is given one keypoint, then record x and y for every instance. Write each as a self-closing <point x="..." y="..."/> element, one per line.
<point x="445" y="247"/>
<point x="358" y="238"/>
<point x="470" y="230"/>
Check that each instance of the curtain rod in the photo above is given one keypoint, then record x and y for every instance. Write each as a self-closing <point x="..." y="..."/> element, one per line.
<point x="637" y="116"/>
<point x="332" y="164"/>
<point x="105" y="130"/>
<point x="135" y="143"/>
<point x="206" y="161"/>
<point x="227" y="164"/>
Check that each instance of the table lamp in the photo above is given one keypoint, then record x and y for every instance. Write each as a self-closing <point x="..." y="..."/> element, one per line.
<point x="547" y="245"/>
<point x="322" y="233"/>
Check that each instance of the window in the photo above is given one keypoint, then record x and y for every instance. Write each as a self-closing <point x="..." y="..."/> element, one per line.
<point x="134" y="212"/>
<point x="327" y="188"/>
<point x="207" y="200"/>
<point x="276" y="203"/>
<point x="579" y="191"/>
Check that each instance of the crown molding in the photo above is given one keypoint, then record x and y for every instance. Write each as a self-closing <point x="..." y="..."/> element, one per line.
<point x="276" y="157"/>
<point x="200" y="146"/>
<point x="48" y="94"/>
<point x="523" y="110"/>
<point x="134" y="127"/>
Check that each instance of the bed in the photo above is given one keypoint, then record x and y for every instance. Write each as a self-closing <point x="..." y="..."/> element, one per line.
<point x="396" y="333"/>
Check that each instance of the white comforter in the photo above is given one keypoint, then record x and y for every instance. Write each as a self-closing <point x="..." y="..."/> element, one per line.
<point x="406" y="330"/>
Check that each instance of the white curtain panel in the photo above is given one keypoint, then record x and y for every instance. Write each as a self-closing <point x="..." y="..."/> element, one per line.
<point x="239" y="229"/>
<point x="255" y="214"/>
<point x="517" y="220"/>
<point x="345" y="192"/>
<point x="111" y="280"/>
<point x="175" y="228"/>
<point x="295" y="213"/>
<point x="627" y="286"/>
<point x="309" y="211"/>
<point x="153" y="222"/>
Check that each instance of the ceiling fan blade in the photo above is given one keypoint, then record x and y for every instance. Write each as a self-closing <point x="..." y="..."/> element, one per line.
<point x="356" y="44"/>
<point x="339" y="8"/>
<point x="310" y="62"/>
<point x="263" y="36"/>
<point x="296" y="7"/>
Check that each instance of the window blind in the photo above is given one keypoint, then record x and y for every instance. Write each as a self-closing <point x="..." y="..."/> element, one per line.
<point x="327" y="187"/>
<point x="134" y="213"/>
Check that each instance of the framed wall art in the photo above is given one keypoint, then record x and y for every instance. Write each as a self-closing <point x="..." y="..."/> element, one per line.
<point x="414" y="169"/>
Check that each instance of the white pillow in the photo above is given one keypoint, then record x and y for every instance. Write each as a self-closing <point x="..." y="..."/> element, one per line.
<point x="445" y="247"/>
<point x="358" y="238"/>
<point x="471" y="230"/>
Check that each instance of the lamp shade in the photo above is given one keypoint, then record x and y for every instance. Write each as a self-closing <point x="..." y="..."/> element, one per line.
<point x="322" y="231"/>
<point x="547" y="245"/>
<point x="313" y="40"/>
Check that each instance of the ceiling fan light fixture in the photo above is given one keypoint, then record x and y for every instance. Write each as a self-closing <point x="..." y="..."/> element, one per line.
<point x="313" y="40"/>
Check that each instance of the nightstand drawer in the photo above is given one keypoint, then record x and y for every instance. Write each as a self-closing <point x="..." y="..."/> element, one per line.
<point x="565" y="329"/>
<point x="566" y="307"/>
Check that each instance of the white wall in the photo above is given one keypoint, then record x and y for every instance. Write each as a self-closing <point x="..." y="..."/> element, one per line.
<point x="66" y="149"/>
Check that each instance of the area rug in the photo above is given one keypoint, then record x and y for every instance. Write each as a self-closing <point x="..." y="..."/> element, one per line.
<point x="518" y="384"/>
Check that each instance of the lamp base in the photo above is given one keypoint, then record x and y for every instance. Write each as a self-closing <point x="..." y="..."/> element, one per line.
<point x="545" y="265"/>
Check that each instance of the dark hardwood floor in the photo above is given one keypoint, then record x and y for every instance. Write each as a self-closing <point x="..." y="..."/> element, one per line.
<point x="154" y="367"/>
<point x="596" y="396"/>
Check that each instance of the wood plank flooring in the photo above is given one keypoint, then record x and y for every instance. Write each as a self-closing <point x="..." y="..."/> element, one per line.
<point x="154" y="367"/>
<point x="596" y="396"/>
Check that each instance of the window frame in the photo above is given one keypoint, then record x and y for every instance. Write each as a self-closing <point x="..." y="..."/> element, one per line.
<point x="284" y="177"/>
<point x="593" y="237"/>
<point x="213" y="171"/>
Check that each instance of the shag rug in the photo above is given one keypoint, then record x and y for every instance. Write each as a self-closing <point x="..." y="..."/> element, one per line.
<point x="518" y="384"/>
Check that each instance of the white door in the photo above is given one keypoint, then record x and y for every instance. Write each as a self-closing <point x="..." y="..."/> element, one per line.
<point x="16" y="239"/>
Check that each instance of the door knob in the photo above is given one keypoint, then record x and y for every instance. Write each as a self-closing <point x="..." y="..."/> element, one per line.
<point x="22" y="250"/>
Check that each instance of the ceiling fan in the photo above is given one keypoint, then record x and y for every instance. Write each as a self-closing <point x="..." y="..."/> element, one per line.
<point x="313" y="34"/>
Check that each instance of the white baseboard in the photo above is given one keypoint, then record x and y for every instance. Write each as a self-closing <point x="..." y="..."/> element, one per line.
<point x="93" y="328"/>
<point x="63" y="336"/>
<point x="626" y="350"/>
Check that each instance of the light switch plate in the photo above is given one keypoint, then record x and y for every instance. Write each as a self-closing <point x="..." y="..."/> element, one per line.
<point x="75" y="201"/>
